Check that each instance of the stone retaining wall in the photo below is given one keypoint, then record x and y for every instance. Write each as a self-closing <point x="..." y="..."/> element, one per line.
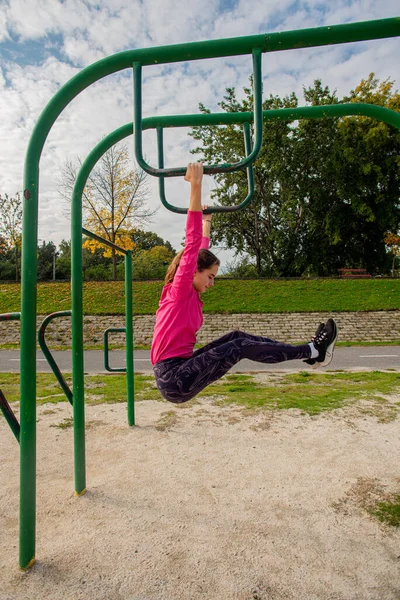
<point x="291" y="327"/>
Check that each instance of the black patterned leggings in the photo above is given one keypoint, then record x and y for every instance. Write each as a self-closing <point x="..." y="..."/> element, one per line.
<point x="180" y="379"/>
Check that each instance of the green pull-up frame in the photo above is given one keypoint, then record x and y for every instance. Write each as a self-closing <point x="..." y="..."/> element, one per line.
<point x="136" y="59"/>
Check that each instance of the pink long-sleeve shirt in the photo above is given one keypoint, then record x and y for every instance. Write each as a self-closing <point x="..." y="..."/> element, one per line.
<point x="180" y="315"/>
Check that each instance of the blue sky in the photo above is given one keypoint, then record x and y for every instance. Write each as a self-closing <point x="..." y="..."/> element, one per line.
<point x="44" y="43"/>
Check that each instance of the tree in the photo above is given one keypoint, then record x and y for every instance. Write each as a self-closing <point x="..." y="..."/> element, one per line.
<point x="46" y="254"/>
<point x="326" y="190"/>
<point x="392" y="241"/>
<point x="11" y="225"/>
<point x="113" y="200"/>
<point x="145" y="240"/>
<point x="370" y="168"/>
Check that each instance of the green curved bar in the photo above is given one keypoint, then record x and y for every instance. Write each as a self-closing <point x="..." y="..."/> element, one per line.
<point x="208" y="169"/>
<point x="48" y="355"/>
<point x="212" y="209"/>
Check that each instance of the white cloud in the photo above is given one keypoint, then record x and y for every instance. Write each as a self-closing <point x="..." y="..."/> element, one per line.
<point x="88" y="30"/>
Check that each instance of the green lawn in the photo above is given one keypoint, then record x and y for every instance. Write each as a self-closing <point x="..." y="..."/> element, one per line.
<point x="309" y="392"/>
<point x="228" y="296"/>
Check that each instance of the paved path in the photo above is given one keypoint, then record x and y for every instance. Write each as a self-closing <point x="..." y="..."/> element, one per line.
<point x="352" y="358"/>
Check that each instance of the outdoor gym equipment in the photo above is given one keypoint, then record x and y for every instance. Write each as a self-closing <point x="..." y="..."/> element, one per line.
<point x="136" y="59"/>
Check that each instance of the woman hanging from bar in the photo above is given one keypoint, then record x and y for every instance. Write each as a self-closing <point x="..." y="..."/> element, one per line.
<point x="181" y="373"/>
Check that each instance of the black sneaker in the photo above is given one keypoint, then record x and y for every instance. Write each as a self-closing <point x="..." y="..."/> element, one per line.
<point x="325" y="343"/>
<point x="312" y="361"/>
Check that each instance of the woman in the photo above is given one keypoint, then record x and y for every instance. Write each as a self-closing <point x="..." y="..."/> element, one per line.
<point x="182" y="373"/>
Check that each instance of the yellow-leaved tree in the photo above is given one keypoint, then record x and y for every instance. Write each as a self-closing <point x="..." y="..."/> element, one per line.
<point x="392" y="241"/>
<point x="113" y="202"/>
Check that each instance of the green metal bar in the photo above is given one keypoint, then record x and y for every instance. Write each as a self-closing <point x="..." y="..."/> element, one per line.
<point x="106" y="349"/>
<point x="208" y="169"/>
<point x="103" y="240"/>
<point x="10" y="317"/>
<point x="130" y="389"/>
<point x="9" y="416"/>
<point x="27" y="507"/>
<point x="380" y="113"/>
<point x="49" y="357"/>
<point x="78" y="380"/>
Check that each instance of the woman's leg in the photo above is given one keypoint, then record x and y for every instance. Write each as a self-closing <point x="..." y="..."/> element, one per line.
<point x="186" y="378"/>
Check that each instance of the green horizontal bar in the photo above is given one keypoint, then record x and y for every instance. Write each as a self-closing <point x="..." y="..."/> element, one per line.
<point x="103" y="240"/>
<point x="379" y="113"/>
<point x="10" y="317"/>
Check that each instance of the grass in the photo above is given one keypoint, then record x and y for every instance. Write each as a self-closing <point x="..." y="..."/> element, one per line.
<point x="100" y="389"/>
<point x="311" y="393"/>
<point x="228" y="296"/>
<point x="307" y="392"/>
<point x="388" y="512"/>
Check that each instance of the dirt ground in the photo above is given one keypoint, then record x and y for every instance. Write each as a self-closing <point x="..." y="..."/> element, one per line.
<point x="206" y="502"/>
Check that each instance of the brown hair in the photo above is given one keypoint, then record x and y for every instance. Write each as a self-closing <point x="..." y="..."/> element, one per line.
<point x="205" y="260"/>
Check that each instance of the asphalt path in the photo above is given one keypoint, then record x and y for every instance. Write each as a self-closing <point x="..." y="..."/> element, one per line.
<point x="353" y="358"/>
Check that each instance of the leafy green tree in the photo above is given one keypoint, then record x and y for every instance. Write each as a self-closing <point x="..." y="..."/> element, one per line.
<point x="150" y="264"/>
<point x="46" y="253"/>
<point x="326" y="190"/>
<point x="370" y="167"/>
<point x="145" y="240"/>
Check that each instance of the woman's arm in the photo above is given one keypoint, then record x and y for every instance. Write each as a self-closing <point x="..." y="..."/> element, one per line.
<point x="194" y="174"/>
<point x="183" y="280"/>
<point x="205" y="242"/>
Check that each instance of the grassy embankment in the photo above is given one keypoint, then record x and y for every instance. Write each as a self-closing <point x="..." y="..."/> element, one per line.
<point x="228" y="296"/>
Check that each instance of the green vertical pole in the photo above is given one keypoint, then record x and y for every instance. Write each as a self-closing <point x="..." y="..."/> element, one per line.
<point x="27" y="508"/>
<point x="78" y="391"/>
<point x="130" y="390"/>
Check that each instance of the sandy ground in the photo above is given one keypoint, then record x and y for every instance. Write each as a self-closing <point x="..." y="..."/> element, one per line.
<point x="205" y="502"/>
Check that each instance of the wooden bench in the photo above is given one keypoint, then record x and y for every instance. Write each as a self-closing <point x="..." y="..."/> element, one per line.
<point x="353" y="273"/>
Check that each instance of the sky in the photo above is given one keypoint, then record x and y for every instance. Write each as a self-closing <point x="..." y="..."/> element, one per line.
<point x="45" y="43"/>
